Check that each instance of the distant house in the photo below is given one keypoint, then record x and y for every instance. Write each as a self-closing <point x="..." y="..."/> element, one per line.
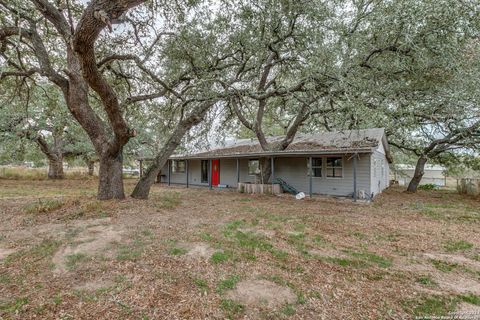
<point x="434" y="174"/>
<point x="331" y="163"/>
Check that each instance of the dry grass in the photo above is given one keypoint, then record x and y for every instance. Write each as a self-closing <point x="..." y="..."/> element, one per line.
<point x="401" y="256"/>
<point x="23" y="173"/>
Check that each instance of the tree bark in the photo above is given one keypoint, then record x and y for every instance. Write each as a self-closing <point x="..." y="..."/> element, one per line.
<point x="417" y="176"/>
<point x="266" y="168"/>
<point x="55" y="167"/>
<point x="110" y="185"/>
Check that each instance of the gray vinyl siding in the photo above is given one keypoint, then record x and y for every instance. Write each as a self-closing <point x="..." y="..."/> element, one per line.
<point x="379" y="181"/>
<point x="295" y="172"/>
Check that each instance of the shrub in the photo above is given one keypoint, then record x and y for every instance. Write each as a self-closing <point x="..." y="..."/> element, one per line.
<point x="428" y="186"/>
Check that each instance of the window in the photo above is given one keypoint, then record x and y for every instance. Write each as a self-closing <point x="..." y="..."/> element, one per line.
<point x="205" y="171"/>
<point x="317" y="167"/>
<point x="374" y="168"/>
<point x="334" y="167"/>
<point x="178" y="166"/>
<point x="253" y="167"/>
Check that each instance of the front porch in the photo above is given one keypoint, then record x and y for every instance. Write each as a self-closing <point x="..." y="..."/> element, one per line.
<point x="311" y="174"/>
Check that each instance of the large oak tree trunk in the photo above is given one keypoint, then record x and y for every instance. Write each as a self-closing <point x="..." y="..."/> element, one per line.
<point x="55" y="167"/>
<point x="417" y="176"/>
<point x="110" y="185"/>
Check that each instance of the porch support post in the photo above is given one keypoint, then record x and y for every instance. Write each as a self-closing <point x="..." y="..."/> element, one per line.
<point x="169" y="170"/>
<point x="355" y="177"/>
<point x="310" y="173"/>
<point x="186" y="169"/>
<point x="210" y="173"/>
<point x="141" y="167"/>
<point x="238" y="172"/>
<point x="272" y="166"/>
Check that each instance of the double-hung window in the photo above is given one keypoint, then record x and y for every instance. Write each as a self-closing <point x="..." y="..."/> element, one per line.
<point x="334" y="167"/>
<point x="317" y="167"/>
<point x="178" y="166"/>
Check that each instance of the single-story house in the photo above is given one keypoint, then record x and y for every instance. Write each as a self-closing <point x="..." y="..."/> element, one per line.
<point x="330" y="163"/>
<point x="433" y="174"/>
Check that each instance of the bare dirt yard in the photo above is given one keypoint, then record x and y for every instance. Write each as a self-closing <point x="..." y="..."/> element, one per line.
<point x="201" y="254"/>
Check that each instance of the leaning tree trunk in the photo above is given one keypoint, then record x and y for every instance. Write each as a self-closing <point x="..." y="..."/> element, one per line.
<point x="110" y="185"/>
<point x="142" y="189"/>
<point x="417" y="176"/>
<point x="55" y="167"/>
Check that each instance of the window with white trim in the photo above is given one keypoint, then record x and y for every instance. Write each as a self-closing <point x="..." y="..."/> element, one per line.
<point x="334" y="167"/>
<point x="317" y="167"/>
<point x="178" y="166"/>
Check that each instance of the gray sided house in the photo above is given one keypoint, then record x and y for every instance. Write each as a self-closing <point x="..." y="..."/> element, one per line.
<point x="331" y="163"/>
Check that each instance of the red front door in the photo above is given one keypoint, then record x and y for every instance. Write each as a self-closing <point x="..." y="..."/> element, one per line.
<point x="215" y="172"/>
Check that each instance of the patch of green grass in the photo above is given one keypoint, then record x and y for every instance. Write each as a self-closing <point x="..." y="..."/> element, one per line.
<point x="5" y="279"/>
<point x="250" y="256"/>
<point x="456" y="212"/>
<point x="319" y="240"/>
<point x="231" y="227"/>
<point x="301" y="298"/>
<point x="231" y="308"/>
<point x="177" y="251"/>
<point x="471" y="298"/>
<point x="205" y="236"/>
<point x="57" y="299"/>
<point x="454" y="246"/>
<point x="433" y="306"/>
<point x="288" y="310"/>
<point x="279" y="254"/>
<point x="201" y="284"/>
<point x="344" y="262"/>
<point x="298" y="241"/>
<point x="359" y="235"/>
<point x="443" y="265"/>
<point x="14" y="306"/>
<point x="426" y="281"/>
<point x="128" y="253"/>
<point x="72" y="260"/>
<point x="372" y="258"/>
<point x="44" y="249"/>
<point x="250" y="240"/>
<point x="299" y="227"/>
<point x="219" y="256"/>
<point x="43" y="206"/>
<point x="228" y="284"/>
<point x="147" y="233"/>
<point x="168" y="200"/>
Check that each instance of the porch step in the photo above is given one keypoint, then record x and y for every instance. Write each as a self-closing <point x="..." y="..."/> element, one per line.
<point x="285" y="186"/>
